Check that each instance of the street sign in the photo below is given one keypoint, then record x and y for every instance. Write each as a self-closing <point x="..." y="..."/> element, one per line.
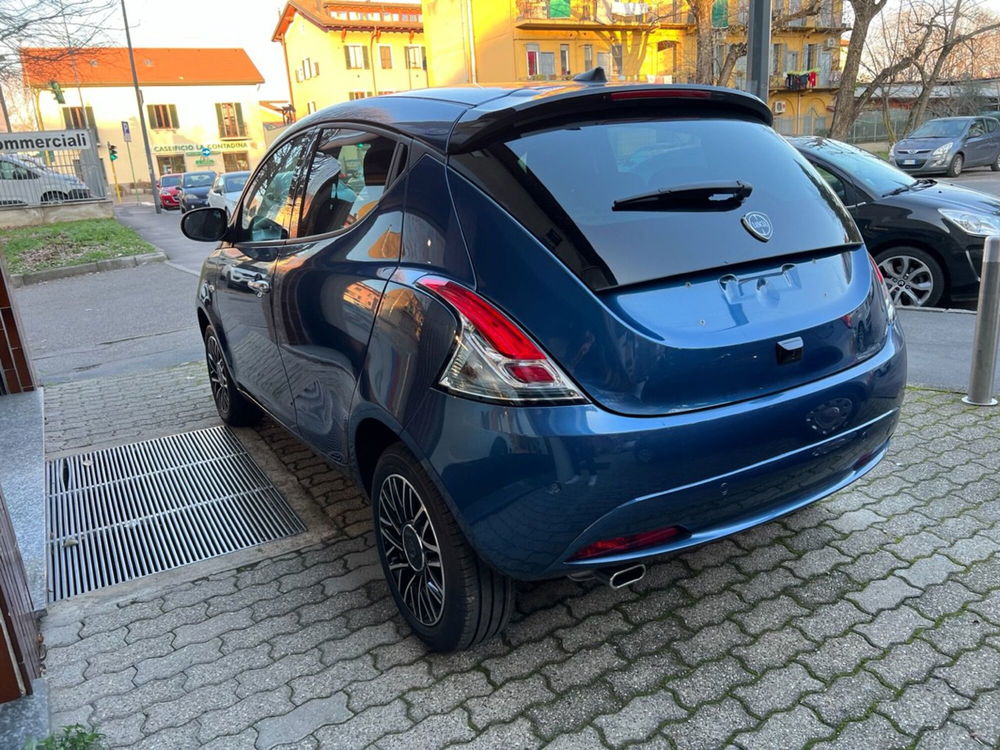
<point x="126" y="131"/>
<point x="206" y="151"/>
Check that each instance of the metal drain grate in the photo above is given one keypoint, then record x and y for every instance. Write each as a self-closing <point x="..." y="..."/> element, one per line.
<point x="143" y="508"/>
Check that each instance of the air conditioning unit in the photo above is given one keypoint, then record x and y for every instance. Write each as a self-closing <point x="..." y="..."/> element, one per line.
<point x="830" y="43"/>
<point x="779" y="107"/>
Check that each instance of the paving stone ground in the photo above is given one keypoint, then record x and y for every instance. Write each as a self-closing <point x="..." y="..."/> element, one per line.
<point x="869" y="620"/>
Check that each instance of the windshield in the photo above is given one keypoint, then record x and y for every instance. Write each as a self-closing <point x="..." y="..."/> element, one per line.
<point x="940" y="129"/>
<point x="170" y="180"/>
<point x="877" y="176"/>
<point x="235" y="182"/>
<point x="681" y="187"/>
<point x="199" y="179"/>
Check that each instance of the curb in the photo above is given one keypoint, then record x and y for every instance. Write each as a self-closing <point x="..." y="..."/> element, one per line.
<point x="112" y="264"/>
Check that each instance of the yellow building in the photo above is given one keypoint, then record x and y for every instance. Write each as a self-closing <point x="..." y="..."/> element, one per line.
<point x="523" y="40"/>
<point x="338" y="51"/>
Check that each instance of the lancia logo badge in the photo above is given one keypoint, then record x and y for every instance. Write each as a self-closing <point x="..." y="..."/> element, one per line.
<point x="758" y="224"/>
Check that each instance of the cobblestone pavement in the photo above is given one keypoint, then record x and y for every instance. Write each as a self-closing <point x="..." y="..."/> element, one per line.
<point x="869" y="620"/>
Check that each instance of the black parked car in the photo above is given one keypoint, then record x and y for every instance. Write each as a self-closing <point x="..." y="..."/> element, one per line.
<point x="194" y="189"/>
<point x="926" y="236"/>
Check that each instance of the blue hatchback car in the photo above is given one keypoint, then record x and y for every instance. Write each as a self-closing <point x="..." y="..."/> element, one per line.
<point x="554" y="330"/>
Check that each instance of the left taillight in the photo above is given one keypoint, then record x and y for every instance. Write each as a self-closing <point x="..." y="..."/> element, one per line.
<point x="493" y="358"/>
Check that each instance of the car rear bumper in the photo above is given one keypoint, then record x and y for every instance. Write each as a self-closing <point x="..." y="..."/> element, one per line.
<point x="533" y="485"/>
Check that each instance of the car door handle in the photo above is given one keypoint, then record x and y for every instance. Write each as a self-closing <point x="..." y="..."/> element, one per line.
<point x="260" y="286"/>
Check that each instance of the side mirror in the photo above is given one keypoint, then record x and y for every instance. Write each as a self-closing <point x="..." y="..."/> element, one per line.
<point x="204" y="224"/>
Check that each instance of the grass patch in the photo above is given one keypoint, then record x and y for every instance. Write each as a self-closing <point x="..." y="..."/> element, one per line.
<point x="69" y="243"/>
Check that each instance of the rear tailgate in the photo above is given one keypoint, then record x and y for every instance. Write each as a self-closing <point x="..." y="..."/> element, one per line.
<point x="681" y="304"/>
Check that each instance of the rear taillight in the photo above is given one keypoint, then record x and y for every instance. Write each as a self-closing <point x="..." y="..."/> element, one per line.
<point x="493" y="358"/>
<point x="880" y="280"/>
<point x="661" y="94"/>
<point x="631" y="542"/>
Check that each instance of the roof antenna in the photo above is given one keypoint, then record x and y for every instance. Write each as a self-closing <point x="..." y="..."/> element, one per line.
<point x="594" y="75"/>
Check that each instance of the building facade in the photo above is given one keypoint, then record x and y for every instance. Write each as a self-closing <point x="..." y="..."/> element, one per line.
<point x="193" y="100"/>
<point x="339" y="51"/>
<point x="525" y="40"/>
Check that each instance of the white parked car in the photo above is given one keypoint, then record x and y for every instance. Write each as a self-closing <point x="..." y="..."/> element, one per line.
<point x="26" y="183"/>
<point x="225" y="191"/>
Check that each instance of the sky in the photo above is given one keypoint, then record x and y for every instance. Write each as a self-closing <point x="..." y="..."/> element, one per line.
<point x="211" y="23"/>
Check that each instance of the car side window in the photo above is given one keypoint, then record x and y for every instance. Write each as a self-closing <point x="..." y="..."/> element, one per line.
<point x="266" y="210"/>
<point x="833" y="181"/>
<point x="991" y="124"/>
<point x="9" y="171"/>
<point x="347" y="176"/>
<point x="217" y="185"/>
<point x="976" y="129"/>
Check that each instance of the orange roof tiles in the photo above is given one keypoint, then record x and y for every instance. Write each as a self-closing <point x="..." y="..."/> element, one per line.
<point x="155" y="66"/>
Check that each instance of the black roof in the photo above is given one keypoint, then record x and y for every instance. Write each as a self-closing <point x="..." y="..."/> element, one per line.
<point x="458" y="118"/>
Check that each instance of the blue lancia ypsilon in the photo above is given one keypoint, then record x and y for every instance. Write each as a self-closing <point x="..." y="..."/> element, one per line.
<point x="554" y="330"/>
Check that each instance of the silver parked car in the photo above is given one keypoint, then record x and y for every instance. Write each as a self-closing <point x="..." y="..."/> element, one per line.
<point x="225" y="191"/>
<point x="948" y="145"/>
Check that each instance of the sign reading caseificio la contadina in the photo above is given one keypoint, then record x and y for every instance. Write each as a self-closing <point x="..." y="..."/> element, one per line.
<point x="45" y="140"/>
<point x="198" y="147"/>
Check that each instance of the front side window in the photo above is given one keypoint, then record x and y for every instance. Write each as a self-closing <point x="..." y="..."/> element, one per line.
<point x="230" y="117"/>
<point x="10" y="171"/>
<point x="348" y="174"/>
<point x="268" y="206"/>
<point x="356" y="56"/>
<point x="162" y="116"/>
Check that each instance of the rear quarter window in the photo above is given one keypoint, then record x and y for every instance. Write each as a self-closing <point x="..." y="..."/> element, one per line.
<point x="562" y="184"/>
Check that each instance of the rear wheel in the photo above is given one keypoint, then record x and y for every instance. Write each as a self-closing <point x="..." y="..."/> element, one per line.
<point x="995" y="164"/>
<point x="234" y="408"/>
<point x="955" y="166"/>
<point x="913" y="276"/>
<point x="448" y="596"/>
<point x="54" y="197"/>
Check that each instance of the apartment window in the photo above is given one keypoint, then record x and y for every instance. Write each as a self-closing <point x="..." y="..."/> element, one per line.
<point x="235" y="161"/>
<point x="162" y="116"/>
<point x="617" y="59"/>
<point x="415" y="57"/>
<point x="547" y="64"/>
<point x="531" y="50"/>
<point x="357" y="57"/>
<point x="355" y="95"/>
<point x="812" y="56"/>
<point x="231" y="123"/>
<point x="310" y="107"/>
<point x="720" y="14"/>
<point x="564" y="59"/>
<point x="588" y="56"/>
<point x="777" y="58"/>
<point x="604" y="61"/>
<point x="385" y="56"/>
<point x="79" y="117"/>
<point x="308" y="69"/>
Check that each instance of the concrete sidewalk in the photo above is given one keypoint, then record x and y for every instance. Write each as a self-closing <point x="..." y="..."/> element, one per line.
<point x="869" y="620"/>
<point x="164" y="231"/>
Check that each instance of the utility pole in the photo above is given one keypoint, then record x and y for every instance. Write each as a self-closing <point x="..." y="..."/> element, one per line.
<point x="3" y="104"/>
<point x="759" y="48"/>
<point x="142" y="116"/>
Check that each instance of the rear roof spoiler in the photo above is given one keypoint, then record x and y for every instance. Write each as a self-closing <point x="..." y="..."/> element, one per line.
<point x="532" y="108"/>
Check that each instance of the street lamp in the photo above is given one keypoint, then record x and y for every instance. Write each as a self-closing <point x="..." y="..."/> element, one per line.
<point x="142" y="116"/>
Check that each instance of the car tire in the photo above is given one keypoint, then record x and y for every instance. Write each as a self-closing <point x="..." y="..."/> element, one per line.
<point x="234" y="408"/>
<point x="913" y="276"/>
<point x="995" y="165"/>
<point x="448" y="596"/>
<point x="955" y="165"/>
<point x="54" y="197"/>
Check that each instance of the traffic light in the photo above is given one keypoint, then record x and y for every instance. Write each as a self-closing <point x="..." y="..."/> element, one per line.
<point x="57" y="90"/>
<point x="112" y="151"/>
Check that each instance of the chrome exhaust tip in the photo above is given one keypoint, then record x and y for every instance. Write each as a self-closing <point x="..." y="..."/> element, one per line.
<point x="618" y="578"/>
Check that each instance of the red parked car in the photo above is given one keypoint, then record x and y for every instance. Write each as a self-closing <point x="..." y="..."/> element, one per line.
<point x="170" y="190"/>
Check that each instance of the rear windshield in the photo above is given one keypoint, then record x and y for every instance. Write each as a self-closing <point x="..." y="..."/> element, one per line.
<point x="563" y="185"/>
<point x="170" y="180"/>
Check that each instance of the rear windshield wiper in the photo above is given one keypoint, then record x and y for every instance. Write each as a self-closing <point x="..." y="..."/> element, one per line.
<point x="706" y="196"/>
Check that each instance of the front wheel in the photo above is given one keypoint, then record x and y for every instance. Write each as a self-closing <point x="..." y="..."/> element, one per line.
<point x="995" y="164"/>
<point x="955" y="166"/>
<point x="448" y="596"/>
<point x="913" y="276"/>
<point x="234" y="408"/>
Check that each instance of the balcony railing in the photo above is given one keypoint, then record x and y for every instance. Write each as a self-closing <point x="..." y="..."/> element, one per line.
<point x="601" y="12"/>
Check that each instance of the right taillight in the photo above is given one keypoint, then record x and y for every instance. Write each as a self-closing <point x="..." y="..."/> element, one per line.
<point x="880" y="280"/>
<point x="493" y="358"/>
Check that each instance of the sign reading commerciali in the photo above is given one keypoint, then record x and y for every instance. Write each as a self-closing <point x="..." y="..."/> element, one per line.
<point x="45" y="140"/>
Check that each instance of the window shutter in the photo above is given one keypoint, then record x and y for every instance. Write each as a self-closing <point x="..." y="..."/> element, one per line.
<point x="174" y="122"/>
<point x="298" y="76"/>
<point x="218" y="115"/>
<point x="240" y="125"/>
<point x="315" y="68"/>
<point x="67" y="118"/>
<point x="151" y="116"/>
<point x="364" y="56"/>
<point x="347" y="56"/>
<point x="89" y="114"/>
